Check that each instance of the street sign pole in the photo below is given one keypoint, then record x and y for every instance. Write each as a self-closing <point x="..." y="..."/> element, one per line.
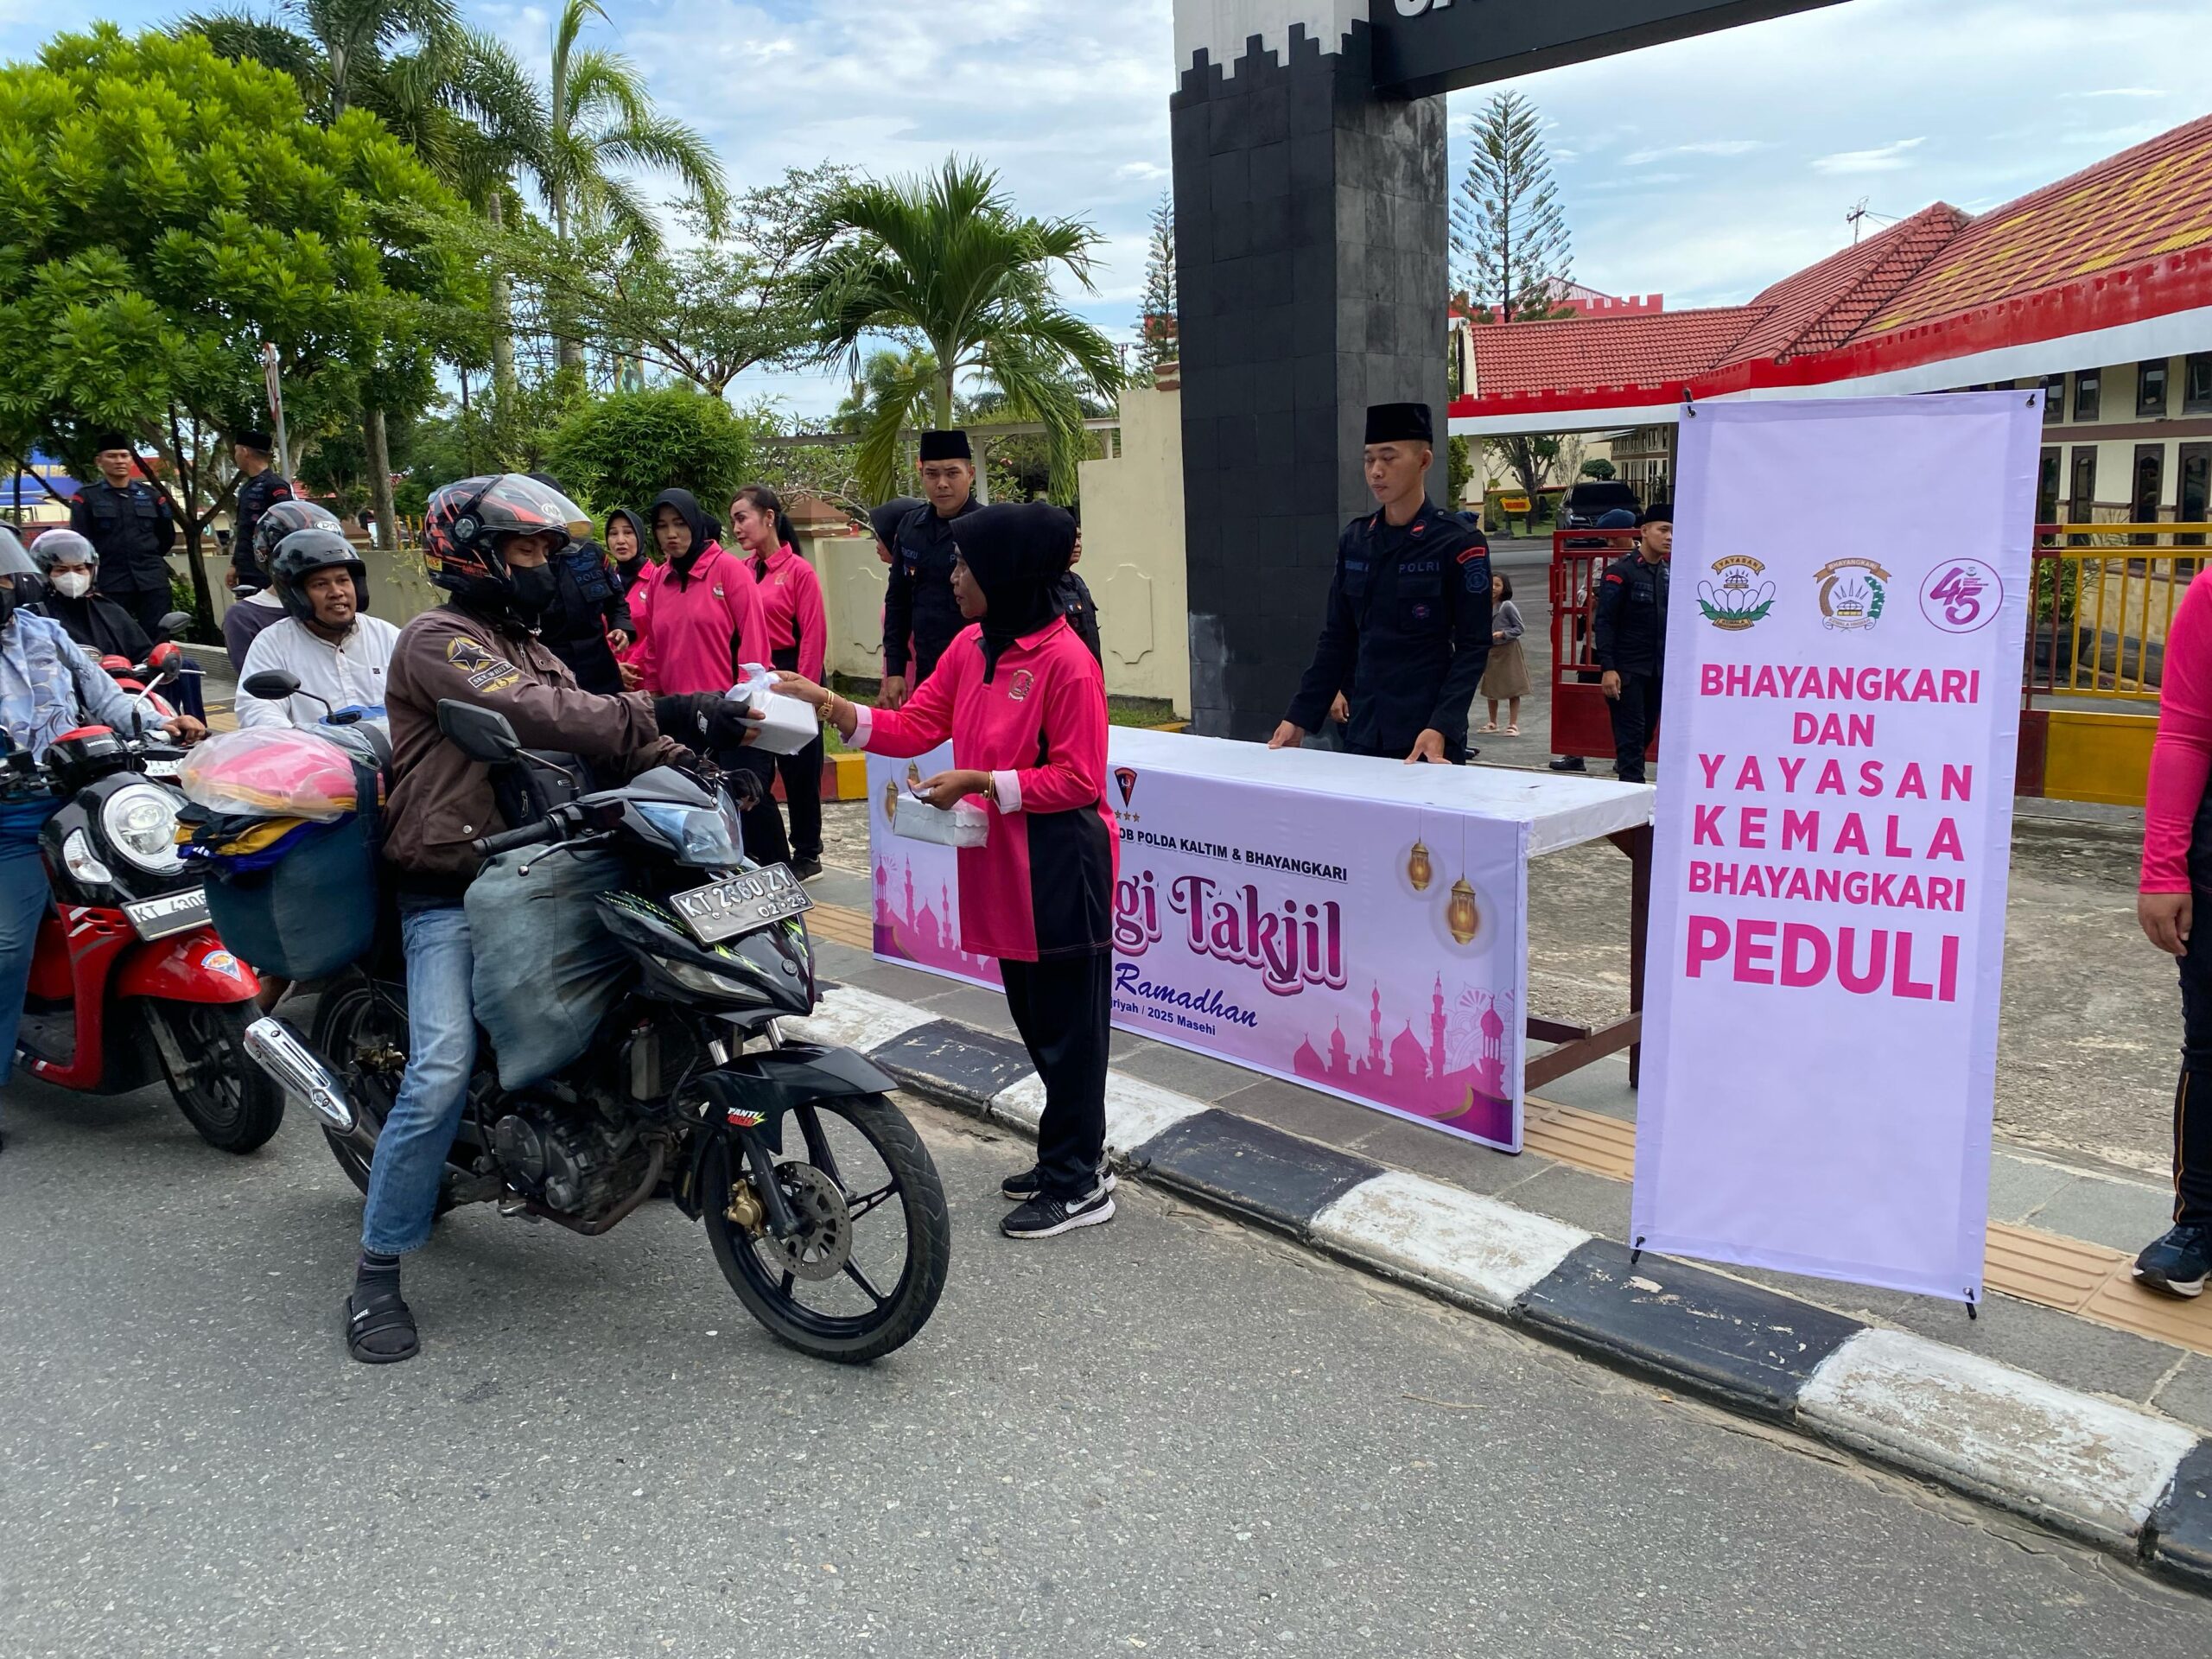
<point x="270" y="377"/>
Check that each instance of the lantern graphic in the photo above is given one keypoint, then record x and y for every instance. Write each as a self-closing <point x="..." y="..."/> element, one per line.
<point x="1461" y="915"/>
<point x="913" y="774"/>
<point x="1419" y="870"/>
<point x="891" y="800"/>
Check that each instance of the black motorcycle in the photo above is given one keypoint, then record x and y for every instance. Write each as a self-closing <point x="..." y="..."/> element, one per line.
<point x="823" y="1206"/>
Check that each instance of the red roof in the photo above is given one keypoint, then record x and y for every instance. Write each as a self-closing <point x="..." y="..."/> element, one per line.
<point x="1936" y="285"/>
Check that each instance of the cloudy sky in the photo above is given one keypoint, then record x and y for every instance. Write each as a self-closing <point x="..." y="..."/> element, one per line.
<point x="1703" y="170"/>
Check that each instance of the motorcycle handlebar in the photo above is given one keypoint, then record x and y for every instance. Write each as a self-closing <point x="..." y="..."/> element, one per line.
<point x="531" y="835"/>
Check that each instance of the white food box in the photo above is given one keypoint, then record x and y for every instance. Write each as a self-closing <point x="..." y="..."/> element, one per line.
<point x="965" y="825"/>
<point x="788" y="725"/>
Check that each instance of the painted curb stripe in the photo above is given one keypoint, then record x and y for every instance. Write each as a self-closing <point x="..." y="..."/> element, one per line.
<point x="2091" y="1467"/>
<point x="1473" y="1250"/>
<point x="1750" y="1348"/>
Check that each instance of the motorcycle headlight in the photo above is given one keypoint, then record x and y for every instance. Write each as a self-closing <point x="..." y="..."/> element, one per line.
<point x="706" y="836"/>
<point x="706" y="982"/>
<point x="78" y="858"/>
<point x="140" y="825"/>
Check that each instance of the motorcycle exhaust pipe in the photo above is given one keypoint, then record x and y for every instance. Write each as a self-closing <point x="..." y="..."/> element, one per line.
<point x="284" y="1055"/>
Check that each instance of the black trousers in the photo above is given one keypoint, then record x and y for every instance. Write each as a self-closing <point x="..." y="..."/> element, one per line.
<point x="147" y="607"/>
<point x="1634" y="715"/>
<point x="802" y="776"/>
<point x="1064" y="1010"/>
<point x="2193" y="1093"/>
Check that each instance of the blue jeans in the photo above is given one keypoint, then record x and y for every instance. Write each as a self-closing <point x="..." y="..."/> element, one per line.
<point x="411" y="1159"/>
<point x="25" y="898"/>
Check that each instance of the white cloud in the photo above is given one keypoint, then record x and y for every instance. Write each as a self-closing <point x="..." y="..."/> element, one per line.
<point x="1145" y="172"/>
<point x="1889" y="158"/>
<point x="2122" y="92"/>
<point x="1708" y="146"/>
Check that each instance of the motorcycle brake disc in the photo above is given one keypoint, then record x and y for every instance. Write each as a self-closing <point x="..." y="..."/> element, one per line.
<point x="824" y="1242"/>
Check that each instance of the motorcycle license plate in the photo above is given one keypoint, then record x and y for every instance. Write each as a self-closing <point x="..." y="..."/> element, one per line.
<point x="743" y="903"/>
<point x="173" y="913"/>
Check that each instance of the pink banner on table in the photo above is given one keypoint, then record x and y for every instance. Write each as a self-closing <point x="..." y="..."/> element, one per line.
<point x="1834" y="836"/>
<point x="1373" y="948"/>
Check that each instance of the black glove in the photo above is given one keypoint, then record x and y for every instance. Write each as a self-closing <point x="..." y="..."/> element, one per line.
<point x="702" y="720"/>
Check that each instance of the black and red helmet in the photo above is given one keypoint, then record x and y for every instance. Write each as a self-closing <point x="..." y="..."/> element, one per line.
<point x="466" y="529"/>
<point x="282" y="519"/>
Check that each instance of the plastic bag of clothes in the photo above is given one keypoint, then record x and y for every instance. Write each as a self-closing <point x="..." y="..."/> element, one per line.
<point x="547" y="969"/>
<point x="271" y="772"/>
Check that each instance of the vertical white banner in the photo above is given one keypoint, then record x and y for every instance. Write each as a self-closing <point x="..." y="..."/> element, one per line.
<point x="1851" y="589"/>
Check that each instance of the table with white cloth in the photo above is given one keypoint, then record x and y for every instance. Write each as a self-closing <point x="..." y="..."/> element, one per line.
<point x="1356" y="925"/>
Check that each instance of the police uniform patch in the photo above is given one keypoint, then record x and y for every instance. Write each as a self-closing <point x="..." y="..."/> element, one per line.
<point x="483" y="671"/>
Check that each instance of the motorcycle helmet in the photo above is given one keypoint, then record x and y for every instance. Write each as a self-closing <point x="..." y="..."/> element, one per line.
<point x="282" y="519"/>
<point x="302" y="553"/>
<point x="14" y="565"/>
<point x="467" y="526"/>
<point x="63" y="547"/>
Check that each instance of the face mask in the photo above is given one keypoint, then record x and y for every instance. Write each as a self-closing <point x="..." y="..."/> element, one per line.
<point x="535" y="589"/>
<point x="73" y="584"/>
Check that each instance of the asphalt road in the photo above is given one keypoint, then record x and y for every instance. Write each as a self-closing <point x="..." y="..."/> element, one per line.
<point x="1171" y="1434"/>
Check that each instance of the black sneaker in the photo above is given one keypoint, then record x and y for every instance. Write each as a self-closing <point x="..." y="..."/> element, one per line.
<point x="2178" y="1263"/>
<point x="1569" y="763"/>
<point x="1027" y="1185"/>
<point x="1043" y="1218"/>
<point x="807" y="868"/>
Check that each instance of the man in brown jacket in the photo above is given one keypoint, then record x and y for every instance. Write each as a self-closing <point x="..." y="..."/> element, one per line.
<point x="486" y="541"/>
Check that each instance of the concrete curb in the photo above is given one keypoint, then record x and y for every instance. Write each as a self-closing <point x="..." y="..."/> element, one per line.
<point x="2125" y="1480"/>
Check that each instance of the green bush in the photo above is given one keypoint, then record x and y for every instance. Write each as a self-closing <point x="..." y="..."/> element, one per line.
<point x="623" y="450"/>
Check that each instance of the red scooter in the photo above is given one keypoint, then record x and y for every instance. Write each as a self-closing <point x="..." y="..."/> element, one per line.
<point x="129" y="983"/>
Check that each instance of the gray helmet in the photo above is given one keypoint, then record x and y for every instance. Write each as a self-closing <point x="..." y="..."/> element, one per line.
<point x="63" y="547"/>
<point x="302" y="553"/>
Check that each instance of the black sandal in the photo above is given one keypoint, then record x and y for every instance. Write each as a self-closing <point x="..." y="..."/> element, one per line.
<point x="381" y="1329"/>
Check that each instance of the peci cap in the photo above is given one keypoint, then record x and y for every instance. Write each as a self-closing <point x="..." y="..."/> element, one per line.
<point x="946" y="446"/>
<point x="1659" y="512"/>
<point x="107" y="441"/>
<point x="260" y="443"/>
<point x="1400" y="423"/>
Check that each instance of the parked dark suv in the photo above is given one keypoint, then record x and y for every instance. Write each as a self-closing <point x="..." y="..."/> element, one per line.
<point x="1589" y="500"/>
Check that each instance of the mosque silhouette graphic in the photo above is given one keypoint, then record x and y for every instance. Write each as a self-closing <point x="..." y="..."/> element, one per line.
<point x="1457" y="1079"/>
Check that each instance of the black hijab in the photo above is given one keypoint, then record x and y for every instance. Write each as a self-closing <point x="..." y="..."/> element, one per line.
<point x="687" y="507"/>
<point x="1015" y="554"/>
<point x="887" y="518"/>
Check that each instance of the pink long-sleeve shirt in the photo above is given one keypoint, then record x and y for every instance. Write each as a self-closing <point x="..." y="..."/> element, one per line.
<point x="1042" y="886"/>
<point x="2181" y="758"/>
<point x="699" y="628"/>
<point x="791" y="600"/>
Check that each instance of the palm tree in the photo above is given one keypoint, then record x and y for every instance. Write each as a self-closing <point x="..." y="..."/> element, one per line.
<point x="600" y="121"/>
<point x="945" y="263"/>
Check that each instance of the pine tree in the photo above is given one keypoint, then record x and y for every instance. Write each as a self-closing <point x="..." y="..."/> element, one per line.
<point x="1508" y="233"/>
<point x="1161" y="330"/>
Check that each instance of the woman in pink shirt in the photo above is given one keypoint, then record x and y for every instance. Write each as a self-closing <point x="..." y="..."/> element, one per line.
<point x="798" y="638"/>
<point x="2176" y="872"/>
<point x="1024" y="705"/>
<point x="702" y="624"/>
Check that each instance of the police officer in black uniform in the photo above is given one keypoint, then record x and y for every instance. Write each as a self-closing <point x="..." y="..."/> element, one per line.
<point x="1630" y="638"/>
<point x="918" y="596"/>
<point x="128" y="522"/>
<point x="1407" y="629"/>
<point x="260" y="487"/>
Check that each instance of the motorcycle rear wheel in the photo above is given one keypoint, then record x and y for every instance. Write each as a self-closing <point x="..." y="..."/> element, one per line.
<point x="765" y="1275"/>
<point x="231" y="1102"/>
<point x="359" y="1033"/>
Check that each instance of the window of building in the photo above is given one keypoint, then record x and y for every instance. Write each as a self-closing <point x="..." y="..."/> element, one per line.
<point x="2193" y="492"/>
<point x="2147" y="501"/>
<point x="2151" y="391"/>
<point x="2046" y="488"/>
<point x="2054" y="399"/>
<point x="2197" y="384"/>
<point x="2082" y="498"/>
<point x="2088" y="394"/>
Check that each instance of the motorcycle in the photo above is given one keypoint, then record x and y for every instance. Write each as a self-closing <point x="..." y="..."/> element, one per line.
<point x="821" y="1205"/>
<point x="129" y="983"/>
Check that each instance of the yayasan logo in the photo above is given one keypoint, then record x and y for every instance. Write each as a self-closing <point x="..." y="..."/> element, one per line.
<point x="1852" y="593"/>
<point x="1736" y="598"/>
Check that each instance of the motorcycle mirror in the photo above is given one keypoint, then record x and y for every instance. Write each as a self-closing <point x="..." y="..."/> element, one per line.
<point x="175" y="623"/>
<point x="478" y="733"/>
<point x="271" y="685"/>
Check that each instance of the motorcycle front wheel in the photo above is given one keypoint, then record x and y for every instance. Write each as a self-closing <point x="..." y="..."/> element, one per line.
<point x="864" y="1273"/>
<point x="231" y="1102"/>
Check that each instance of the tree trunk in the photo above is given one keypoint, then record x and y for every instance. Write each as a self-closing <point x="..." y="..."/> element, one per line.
<point x="380" y="461"/>
<point x="571" y="348"/>
<point x="944" y="396"/>
<point x="503" y="328"/>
